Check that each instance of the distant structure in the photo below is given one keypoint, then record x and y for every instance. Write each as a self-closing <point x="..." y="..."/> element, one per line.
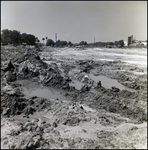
<point x="125" y="43"/>
<point x="133" y="42"/>
<point x="56" y="37"/>
<point x="130" y="40"/>
<point x="94" y="40"/>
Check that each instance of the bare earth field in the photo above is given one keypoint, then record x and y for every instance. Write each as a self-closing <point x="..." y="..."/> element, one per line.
<point x="73" y="98"/>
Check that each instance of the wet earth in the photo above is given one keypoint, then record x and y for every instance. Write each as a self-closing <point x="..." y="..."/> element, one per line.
<point x="71" y="98"/>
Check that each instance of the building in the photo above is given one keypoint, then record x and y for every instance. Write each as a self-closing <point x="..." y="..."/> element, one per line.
<point x="130" y="40"/>
<point x="125" y="43"/>
<point x="133" y="42"/>
<point x="144" y="43"/>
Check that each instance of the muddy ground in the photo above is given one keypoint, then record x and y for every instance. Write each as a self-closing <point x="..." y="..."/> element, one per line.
<point x="71" y="98"/>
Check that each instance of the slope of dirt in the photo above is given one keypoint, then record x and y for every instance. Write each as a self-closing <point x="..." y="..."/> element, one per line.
<point x="73" y="98"/>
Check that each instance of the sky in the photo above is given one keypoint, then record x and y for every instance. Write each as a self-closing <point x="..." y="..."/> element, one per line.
<point x="77" y="21"/>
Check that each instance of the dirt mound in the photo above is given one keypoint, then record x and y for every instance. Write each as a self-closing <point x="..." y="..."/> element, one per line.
<point x="13" y="102"/>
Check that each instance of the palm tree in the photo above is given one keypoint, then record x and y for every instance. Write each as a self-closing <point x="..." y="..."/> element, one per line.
<point x="46" y="39"/>
<point x="43" y="40"/>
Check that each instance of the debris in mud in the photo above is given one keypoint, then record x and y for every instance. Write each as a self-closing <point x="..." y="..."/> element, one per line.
<point x="99" y="84"/>
<point x="114" y="89"/>
<point x="9" y="66"/>
<point x="10" y="76"/>
<point x="85" y="88"/>
<point x="86" y="65"/>
<point x="72" y="121"/>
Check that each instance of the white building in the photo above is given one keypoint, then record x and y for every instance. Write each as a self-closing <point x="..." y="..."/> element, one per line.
<point x="125" y="43"/>
<point x="144" y="43"/>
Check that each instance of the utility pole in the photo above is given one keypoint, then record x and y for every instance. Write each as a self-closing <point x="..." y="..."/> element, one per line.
<point x="94" y="40"/>
<point x="56" y="37"/>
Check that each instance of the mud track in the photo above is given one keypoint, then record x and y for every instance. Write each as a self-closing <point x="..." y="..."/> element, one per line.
<point x="73" y="98"/>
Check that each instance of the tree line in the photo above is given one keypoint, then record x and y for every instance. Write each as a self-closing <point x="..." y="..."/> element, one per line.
<point x="15" y="37"/>
<point x="59" y="43"/>
<point x="119" y="43"/>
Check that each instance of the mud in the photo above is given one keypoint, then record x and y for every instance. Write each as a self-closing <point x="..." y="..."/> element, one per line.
<point x="72" y="98"/>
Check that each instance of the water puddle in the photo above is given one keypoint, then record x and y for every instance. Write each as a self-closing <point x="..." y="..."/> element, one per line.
<point x="44" y="93"/>
<point x="34" y="89"/>
<point x="105" y="82"/>
<point x="108" y="83"/>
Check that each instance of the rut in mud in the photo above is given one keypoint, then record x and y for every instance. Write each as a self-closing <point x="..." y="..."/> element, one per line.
<point x="61" y="100"/>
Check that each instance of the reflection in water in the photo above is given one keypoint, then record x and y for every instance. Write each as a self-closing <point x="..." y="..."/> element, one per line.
<point x="44" y="93"/>
<point x="34" y="89"/>
<point x="105" y="82"/>
<point x="108" y="83"/>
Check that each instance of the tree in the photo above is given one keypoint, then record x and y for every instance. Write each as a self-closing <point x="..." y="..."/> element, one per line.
<point x="5" y="37"/>
<point x="116" y="43"/>
<point x="50" y="42"/>
<point x="121" y="43"/>
<point x="69" y="43"/>
<point x="46" y="39"/>
<point x="31" y="39"/>
<point x="43" y="40"/>
<point x="15" y="37"/>
<point x="28" y="39"/>
<point x="83" y="43"/>
<point x="24" y="38"/>
<point x="9" y="36"/>
<point x="63" y="43"/>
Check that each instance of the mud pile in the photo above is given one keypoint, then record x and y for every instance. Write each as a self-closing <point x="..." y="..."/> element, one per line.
<point x="70" y="125"/>
<point x="13" y="102"/>
<point x="29" y="66"/>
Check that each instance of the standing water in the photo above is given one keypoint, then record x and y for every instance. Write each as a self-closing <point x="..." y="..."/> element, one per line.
<point x="109" y="83"/>
<point x="34" y="89"/>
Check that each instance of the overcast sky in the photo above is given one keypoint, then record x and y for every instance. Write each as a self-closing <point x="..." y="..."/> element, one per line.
<point x="106" y="21"/>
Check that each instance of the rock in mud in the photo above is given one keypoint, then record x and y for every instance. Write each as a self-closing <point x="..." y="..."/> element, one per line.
<point x="9" y="66"/>
<point x="99" y="84"/>
<point x="37" y="57"/>
<point x="35" y="120"/>
<point x="7" y="111"/>
<point x="9" y="90"/>
<point x="85" y="88"/>
<point x="72" y="121"/>
<point x="34" y="143"/>
<point x="30" y="126"/>
<point x="29" y="110"/>
<point x="28" y="69"/>
<point x="55" y="124"/>
<point x="10" y="76"/>
<point x="114" y="89"/>
<point x="47" y="125"/>
<point x="85" y="79"/>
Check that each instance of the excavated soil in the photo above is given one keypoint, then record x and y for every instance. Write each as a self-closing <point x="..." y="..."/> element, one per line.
<point x="73" y="98"/>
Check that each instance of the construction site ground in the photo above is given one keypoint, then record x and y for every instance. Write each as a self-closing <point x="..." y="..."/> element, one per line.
<point x="73" y="98"/>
